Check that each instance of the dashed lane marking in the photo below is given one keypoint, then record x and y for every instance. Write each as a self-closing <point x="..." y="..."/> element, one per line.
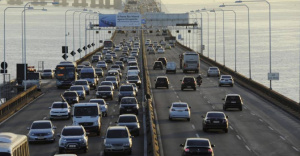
<point x="193" y="126"/>
<point x="248" y="148"/>
<point x="110" y="123"/>
<point x="238" y="137"/>
<point x="282" y="137"/>
<point x="261" y="120"/>
<point x="252" y="113"/>
<point x="197" y="135"/>
<point x="177" y="97"/>
<point x="213" y="107"/>
<point x="295" y="148"/>
<point x="270" y="128"/>
<point x="208" y="101"/>
<point x="45" y="118"/>
<point x="231" y="127"/>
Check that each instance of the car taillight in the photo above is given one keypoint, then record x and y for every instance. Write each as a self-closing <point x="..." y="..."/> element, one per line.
<point x="182" y="82"/>
<point x="172" y="109"/>
<point x="209" y="150"/>
<point x="184" y="65"/>
<point x="186" y="150"/>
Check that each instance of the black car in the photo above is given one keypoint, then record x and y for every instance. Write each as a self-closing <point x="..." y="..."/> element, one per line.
<point x="134" y="79"/>
<point x="163" y="60"/>
<point x="158" y="64"/>
<point x="129" y="105"/>
<point x="126" y="90"/>
<point x="197" y="146"/>
<point x="120" y="63"/>
<point x="105" y="92"/>
<point x="96" y="58"/>
<point x="215" y="120"/>
<point x="131" y="122"/>
<point x="71" y="97"/>
<point x="233" y="101"/>
<point x="99" y="72"/>
<point x="188" y="82"/>
<point x="162" y="81"/>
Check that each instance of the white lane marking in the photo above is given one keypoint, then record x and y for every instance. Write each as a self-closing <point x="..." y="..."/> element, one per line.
<point x="231" y="127"/>
<point x="177" y="97"/>
<point x="114" y="110"/>
<point x="248" y="148"/>
<point x="213" y="107"/>
<point x="245" y="107"/>
<point x="193" y="126"/>
<point x="270" y="128"/>
<point x="238" y="137"/>
<point x="208" y="101"/>
<point x="116" y="105"/>
<point x="282" y="137"/>
<point x="252" y="113"/>
<point x="45" y="118"/>
<point x="101" y="153"/>
<point x="112" y="116"/>
<point x="197" y="135"/>
<point x="295" y="148"/>
<point x="204" y="97"/>
<point x="110" y="123"/>
<point x="261" y="120"/>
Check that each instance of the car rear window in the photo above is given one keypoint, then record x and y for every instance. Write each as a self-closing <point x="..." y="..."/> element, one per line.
<point x="161" y="79"/>
<point x="215" y="115"/>
<point x="126" y="88"/>
<point x="76" y="88"/>
<point x="117" y="134"/>
<point x="197" y="143"/>
<point x="41" y="125"/>
<point x="233" y="98"/>
<point x="180" y="105"/>
<point x="226" y="77"/>
<point x="213" y="68"/>
<point x="47" y="70"/>
<point x="188" y="79"/>
<point x="69" y="94"/>
<point x="59" y="105"/>
<point x="81" y="83"/>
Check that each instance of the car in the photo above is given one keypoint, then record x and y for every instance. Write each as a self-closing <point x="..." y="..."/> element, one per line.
<point x="133" y="68"/>
<point x="105" y="92"/>
<point x="233" y="101"/>
<point x="134" y="87"/>
<point x="73" y="138"/>
<point x="151" y="50"/>
<point x="96" y="58"/>
<point x="71" y="97"/>
<point x="162" y="81"/>
<point x="168" y="46"/>
<point x="134" y="53"/>
<point x="41" y="131"/>
<point x="134" y="79"/>
<point x="131" y="122"/>
<point x="226" y="80"/>
<point x="86" y="63"/>
<point x="215" y="120"/>
<point x="131" y="58"/>
<point x="114" y="73"/>
<point x="158" y="47"/>
<point x="120" y="64"/>
<point x="129" y="105"/>
<point x="118" y="48"/>
<point x="179" y="110"/>
<point x="109" y="58"/>
<point x="115" y="67"/>
<point x="47" y="73"/>
<point x="197" y="146"/>
<point x="117" y="140"/>
<point x="101" y="64"/>
<point x="126" y="90"/>
<point x="104" y="50"/>
<point x="160" y="50"/>
<point x="114" y="80"/>
<point x="79" y="67"/>
<point x="213" y="71"/>
<point x="188" y="82"/>
<point x="149" y="47"/>
<point x="158" y="64"/>
<point x="163" y="60"/>
<point x="99" y="72"/>
<point x="99" y="54"/>
<point x="114" y="54"/>
<point x="172" y="44"/>
<point x="60" y="110"/>
<point x="102" y="104"/>
<point x="162" y="43"/>
<point x="108" y="83"/>
<point x="80" y="91"/>
<point x="83" y="83"/>
<point x="171" y="67"/>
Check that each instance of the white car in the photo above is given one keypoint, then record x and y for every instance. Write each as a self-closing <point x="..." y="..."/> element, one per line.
<point x="60" y="110"/>
<point x="226" y="80"/>
<point x="85" y="84"/>
<point x="161" y="50"/>
<point x="102" y="105"/>
<point x="180" y="110"/>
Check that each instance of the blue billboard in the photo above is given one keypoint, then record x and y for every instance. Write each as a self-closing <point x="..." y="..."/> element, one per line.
<point x="107" y="20"/>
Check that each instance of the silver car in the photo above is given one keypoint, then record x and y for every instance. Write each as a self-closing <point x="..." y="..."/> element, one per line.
<point x="73" y="138"/>
<point x="79" y="89"/>
<point x="117" y="140"/>
<point x="101" y="64"/>
<point x="85" y="84"/>
<point x="102" y="104"/>
<point x="131" y="122"/>
<point x="47" y="73"/>
<point x="226" y="80"/>
<point x="41" y="131"/>
<point x="213" y="71"/>
<point x="180" y="110"/>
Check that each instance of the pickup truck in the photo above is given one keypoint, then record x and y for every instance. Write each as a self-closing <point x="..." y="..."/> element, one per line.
<point x="32" y="79"/>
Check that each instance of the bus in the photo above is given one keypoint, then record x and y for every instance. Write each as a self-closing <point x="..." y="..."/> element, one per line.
<point x="109" y="44"/>
<point x="65" y="73"/>
<point x="13" y="144"/>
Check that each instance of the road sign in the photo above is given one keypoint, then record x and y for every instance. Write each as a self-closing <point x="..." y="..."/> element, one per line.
<point x="79" y="50"/>
<point x="273" y="76"/>
<point x="93" y="44"/>
<point x="4" y="65"/>
<point x="100" y="41"/>
<point x="65" y="56"/>
<point x="64" y="49"/>
<point x="89" y="46"/>
<point x="143" y="21"/>
<point x="3" y="71"/>
<point x="84" y="48"/>
<point x="73" y="53"/>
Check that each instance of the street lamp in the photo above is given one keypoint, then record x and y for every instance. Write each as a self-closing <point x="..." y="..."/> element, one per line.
<point x="270" y="34"/>
<point x="207" y="12"/>
<point x="223" y="37"/>
<point x="88" y="13"/>
<point x="249" y="40"/>
<point x="25" y="6"/>
<point x="215" y="33"/>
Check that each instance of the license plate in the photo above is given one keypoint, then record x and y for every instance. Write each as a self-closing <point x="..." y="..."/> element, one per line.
<point x="189" y="86"/>
<point x="40" y="138"/>
<point x="233" y="101"/>
<point x="216" y="121"/>
<point x="128" y="109"/>
<point x="104" y="96"/>
<point x="180" y="111"/>
<point x="72" y="146"/>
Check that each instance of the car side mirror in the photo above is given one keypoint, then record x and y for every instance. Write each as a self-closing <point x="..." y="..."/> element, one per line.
<point x="49" y="107"/>
<point x="213" y="145"/>
<point x="226" y="116"/>
<point x="58" y="135"/>
<point x="54" y="127"/>
<point x="28" y="128"/>
<point x="181" y="145"/>
<point x="190" y="107"/>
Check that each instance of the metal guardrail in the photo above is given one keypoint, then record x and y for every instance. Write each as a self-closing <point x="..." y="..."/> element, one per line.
<point x="16" y="103"/>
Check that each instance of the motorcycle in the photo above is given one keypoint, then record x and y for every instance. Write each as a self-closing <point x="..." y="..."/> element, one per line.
<point x="199" y="82"/>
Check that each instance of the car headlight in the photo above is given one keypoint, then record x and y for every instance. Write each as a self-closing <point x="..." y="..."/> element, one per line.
<point x="32" y="134"/>
<point x="126" y="145"/>
<point x="207" y="121"/>
<point x="97" y="93"/>
<point x="96" y="123"/>
<point x="107" y="145"/>
<point x="52" y="112"/>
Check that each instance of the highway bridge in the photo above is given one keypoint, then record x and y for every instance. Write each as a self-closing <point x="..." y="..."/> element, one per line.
<point x="260" y="129"/>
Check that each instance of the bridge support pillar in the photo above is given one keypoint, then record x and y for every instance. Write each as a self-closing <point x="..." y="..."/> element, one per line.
<point x="61" y="2"/>
<point x="117" y="4"/>
<point x="94" y="4"/>
<point x="82" y="4"/>
<point x="18" y="2"/>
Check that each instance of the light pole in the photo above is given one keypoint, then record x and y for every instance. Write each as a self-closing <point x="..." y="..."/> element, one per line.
<point x="86" y="30"/>
<point x="207" y="12"/>
<point x="215" y="33"/>
<point x="270" y="34"/>
<point x="249" y="40"/>
<point x="66" y="23"/>
<point x="223" y="37"/>
<point x="25" y="6"/>
<point x="74" y="29"/>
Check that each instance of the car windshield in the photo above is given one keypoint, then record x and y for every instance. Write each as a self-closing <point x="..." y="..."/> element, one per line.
<point x="101" y="63"/>
<point x="179" y="105"/>
<point x="127" y="119"/>
<point x="215" y="115"/>
<point x="59" y="105"/>
<point x="233" y="98"/>
<point x="126" y="88"/>
<point x="87" y="75"/>
<point x="81" y="83"/>
<point x="110" y="79"/>
<point x="106" y="83"/>
<point x="104" y="89"/>
<point x="213" y="68"/>
<point x="99" y="70"/>
<point x="161" y="79"/>
<point x="41" y="125"/>
<point x="76" y="88"/>
<point x="72" y="131"/>
<point x="128" y="101"/>
<point x="197" y="143"/>
<point x="117" y="134"/>
<point x="86" y="111"/>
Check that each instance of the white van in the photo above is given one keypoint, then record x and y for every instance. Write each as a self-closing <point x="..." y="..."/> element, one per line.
<point x="191" y="62"/>
<point x="88" y="115"/>
<point x="89" y="74"/>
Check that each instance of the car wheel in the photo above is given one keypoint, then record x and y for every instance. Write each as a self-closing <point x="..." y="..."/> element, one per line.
<point x="130" y="151"/>
<point x="167" y="86"/>
<point x="226" y="130"/>
<point x="232" y="85"/>
<point x="137" y="113"/>
<point x="170" y="118"/>
<point x="181" y="88"/>
<point x="98" y="132"/>
<point x="204" y="129"/>
<point x="195" y="88"/>
<point x="207" y="75"/>
<point x="85" y="150"/>
<point x="112" y="98"/>
<point x="88" y="93"/>
<point x="175" y="72"/>
<point x="153" y="68"/>
<point x="60" y="151"/>
<point x="137" y="133"/>
<point x="188" y="119"/>
<point x="219" y="85"/>
<point x="241" y="108"/>
<point x="155" y="87"/>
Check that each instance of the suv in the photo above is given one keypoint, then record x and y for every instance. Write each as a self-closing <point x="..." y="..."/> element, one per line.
<point x="188" y="82"/>
<point x="96" y="58"/>
<point x="134" y="79"/>
<point x="60" y="110"/>
<point x="47" y="73"/>
<point x="233" y="101"/>
<point x="79" y="89"/>
<point x="117" y="139"/>
<point x="162" y="81"/>
<point x="129" y="105"/>
<point x="158" y="64"/>
<point x="215" y="120"/>
<point x="102" y="104"/>
<point x="71" y="97"/>
<point x="73" y="138"/>
<point x="131" y="122"/>
<point x="126" y="90"/>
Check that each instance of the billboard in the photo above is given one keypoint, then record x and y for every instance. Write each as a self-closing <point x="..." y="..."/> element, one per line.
<point x="161" y="19"/>
<point x="120" y="20"/>
<point x="107" y="20"/>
